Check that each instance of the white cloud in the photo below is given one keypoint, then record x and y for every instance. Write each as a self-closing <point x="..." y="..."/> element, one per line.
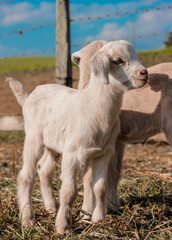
<point x="153" y="22"/>
<point x="147" y="23"/>
<point x="94" y="9"/>
<point x="26" y="12"/>
<point x="110" y="31"/>
<point x="118" y="27"/>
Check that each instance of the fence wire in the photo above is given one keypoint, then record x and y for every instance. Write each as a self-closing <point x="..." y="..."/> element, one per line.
<point x="86" y="43"/>
<point x="119" y="14"/>
<point x="21" y="31"/>
<point x="128" y="38"/>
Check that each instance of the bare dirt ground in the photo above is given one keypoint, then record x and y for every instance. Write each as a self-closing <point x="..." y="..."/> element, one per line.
<point x="145" y="190"/>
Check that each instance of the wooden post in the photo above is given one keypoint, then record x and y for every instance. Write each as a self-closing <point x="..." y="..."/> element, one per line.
<point x="63" y="58"/>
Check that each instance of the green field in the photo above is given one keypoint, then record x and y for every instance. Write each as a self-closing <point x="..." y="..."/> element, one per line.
<point x="153" y="57"/>
<point x="160" y="52"/>
<point x="26" y="63"/>
<point x="30" y="63"/>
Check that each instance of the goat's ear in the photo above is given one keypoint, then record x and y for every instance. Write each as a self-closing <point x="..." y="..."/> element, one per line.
<point x="99" y="66"/>
<point x="76" y="57"/>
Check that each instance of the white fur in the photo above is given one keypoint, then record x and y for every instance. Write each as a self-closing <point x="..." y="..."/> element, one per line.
<point x="80" y="124"/>
<point x="144" y="113"/>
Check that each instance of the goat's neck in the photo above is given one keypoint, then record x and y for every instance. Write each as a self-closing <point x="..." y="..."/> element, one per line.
<point x="105" y="101"/>
<point x="84" y="76"/>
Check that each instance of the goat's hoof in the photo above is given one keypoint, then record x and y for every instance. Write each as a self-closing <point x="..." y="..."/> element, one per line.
<point x="52" y="210"/>
<point x="62" y="230"/>
<point x="113" y="206"/>
<point x="97" y="217"/>
<point x="63" y="226"/>
<point x="28" y="223"/>
<point x="84" y="216"/>
<point x="111" y="210"/>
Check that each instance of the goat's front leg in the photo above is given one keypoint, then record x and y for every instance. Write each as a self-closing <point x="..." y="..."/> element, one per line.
<point x="113" y="177"/>
<point x="88" y="199"/>
<point x="25" y="180"/>
<point x="68" y="194"/>
<point x="45" y="167"/>
<point x="100" y="167"/>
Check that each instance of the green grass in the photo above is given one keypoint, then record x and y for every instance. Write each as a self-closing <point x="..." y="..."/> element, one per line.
<point x="26" y="63"/>
<point x="153" y="57"/>
<point x="11" y="136"/>
<point x="160" y="52"/>
<point x="31" y="63"/>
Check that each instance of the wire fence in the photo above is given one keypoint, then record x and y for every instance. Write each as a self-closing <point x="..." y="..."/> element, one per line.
<point x="122" y="13"/>
<point x="86" y="43"/>
<point x="129" y="38"/>
<point x="31" y="53"/>
<point x="21" y="31"/>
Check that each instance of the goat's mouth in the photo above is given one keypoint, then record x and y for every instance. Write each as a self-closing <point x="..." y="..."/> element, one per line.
<point x="139" y="82"/>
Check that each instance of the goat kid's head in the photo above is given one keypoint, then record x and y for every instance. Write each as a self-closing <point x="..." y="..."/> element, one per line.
<point x="117" y="63"/>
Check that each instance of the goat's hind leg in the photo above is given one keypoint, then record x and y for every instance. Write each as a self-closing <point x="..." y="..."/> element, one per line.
<point x="32" y="149"/>
<point x="88" y="199"/>
<point x="100" y="167"/>
<point x="45" y="167"/>
<point x="113" y="177"/>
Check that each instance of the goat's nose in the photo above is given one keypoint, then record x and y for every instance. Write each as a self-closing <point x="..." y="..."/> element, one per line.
<point x="144" y="73"/>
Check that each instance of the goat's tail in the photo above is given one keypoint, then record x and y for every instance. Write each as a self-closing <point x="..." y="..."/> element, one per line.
<point x="19" y="90"/>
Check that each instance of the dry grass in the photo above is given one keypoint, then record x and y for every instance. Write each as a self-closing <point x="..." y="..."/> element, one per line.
<point x="145" y="194"/>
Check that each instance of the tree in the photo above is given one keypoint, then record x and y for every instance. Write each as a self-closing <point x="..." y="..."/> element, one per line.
<point x="168" y="43"/>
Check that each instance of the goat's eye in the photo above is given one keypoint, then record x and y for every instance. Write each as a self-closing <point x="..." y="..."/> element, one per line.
<point x="118" y="61"/>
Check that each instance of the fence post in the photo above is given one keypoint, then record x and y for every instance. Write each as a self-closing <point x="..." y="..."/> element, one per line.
<point x="63" y="59"/>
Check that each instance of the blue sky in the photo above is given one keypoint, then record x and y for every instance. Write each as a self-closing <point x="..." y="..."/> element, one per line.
<point x="22" y="14"/>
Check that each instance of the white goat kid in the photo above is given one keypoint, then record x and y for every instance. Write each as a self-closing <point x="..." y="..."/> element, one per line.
<point x="82" y="125"/>
<point x="144" y="113"/>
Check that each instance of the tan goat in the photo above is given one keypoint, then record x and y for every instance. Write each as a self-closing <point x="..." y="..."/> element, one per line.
<point x="144" y="113"/>
<point x="82" y="125"/>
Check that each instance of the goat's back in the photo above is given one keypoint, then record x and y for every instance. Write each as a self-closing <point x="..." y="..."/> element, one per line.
<point x="146" y="99"/>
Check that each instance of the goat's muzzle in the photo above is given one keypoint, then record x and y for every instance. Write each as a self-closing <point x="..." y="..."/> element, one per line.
<point x="140" y="78"/>
<point x="142" y="75"/>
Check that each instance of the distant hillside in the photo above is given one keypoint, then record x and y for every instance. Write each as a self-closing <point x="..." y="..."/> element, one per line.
<point x="153" y="57"/>
<point x="10" y="65"/>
